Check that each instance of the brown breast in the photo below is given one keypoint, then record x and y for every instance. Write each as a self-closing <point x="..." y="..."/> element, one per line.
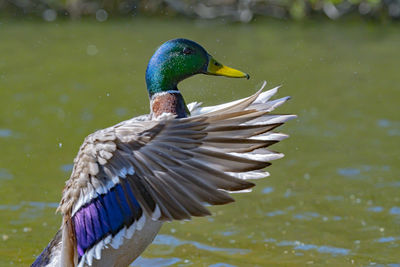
<point x="164" y="103"/>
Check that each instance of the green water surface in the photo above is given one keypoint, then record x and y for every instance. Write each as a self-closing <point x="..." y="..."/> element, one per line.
<point x="334" y="200"/>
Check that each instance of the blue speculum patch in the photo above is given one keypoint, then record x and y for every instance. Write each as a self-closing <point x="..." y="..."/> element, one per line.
<point x="106" y="214"/>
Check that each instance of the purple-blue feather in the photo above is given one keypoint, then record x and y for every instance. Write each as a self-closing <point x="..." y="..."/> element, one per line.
<point x="103" y="217"/>
<point x="126" y="211"/>
<point x="136" y="210"/>
<point x="80" y="231"/>
<point x="90" y="238"/>
<point x="113" y="211"/>
<point x="106" y="214"/>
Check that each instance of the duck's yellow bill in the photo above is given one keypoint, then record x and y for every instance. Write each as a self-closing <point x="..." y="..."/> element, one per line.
<point x="216" y="68"/>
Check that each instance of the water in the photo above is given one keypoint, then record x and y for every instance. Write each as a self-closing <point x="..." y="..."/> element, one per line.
<point x="333" y="200"/>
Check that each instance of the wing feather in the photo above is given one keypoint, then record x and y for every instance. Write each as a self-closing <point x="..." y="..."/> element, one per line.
<point x="168" y="169"/>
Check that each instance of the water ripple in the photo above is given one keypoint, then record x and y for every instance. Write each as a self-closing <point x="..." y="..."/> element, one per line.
<point x="228" y="233"/>
<point x="387" y="239"/>
<point x="392" y="126"/>
<point x="275" y="213"/>
<point x="32" y="204"/>
<point x="67" y="167"/>
<point x="383" y="123"/>
<point x="28" y="210"/>
<point x="221" y="265"/>
<point x="10" y="207"/>
<point x="6" y="133"/>
<point x="306" y="216"/>
<point x="395" y="211"/>
<point x="297" y="245"/>
<point x="121" y="111"/>
<point x="348" y="172"/>
<point x="334" y="198"/>
<point x="5" y="174"/>
<point x="390" y="184"/>
<point x="156" y="262"/>
<point x="175" y="242"/>
<point x="375" y="209"/>
<point x="333" y="250"/>
<point x="268" y="190"/>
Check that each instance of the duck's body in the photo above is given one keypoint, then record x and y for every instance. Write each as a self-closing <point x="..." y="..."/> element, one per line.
<point x="130" y="178"/>
<point x="130" y="249"/>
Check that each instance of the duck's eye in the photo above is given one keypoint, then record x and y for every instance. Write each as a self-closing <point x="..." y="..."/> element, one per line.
<point x="187" y="51"/>
<point x="217" y="64"/>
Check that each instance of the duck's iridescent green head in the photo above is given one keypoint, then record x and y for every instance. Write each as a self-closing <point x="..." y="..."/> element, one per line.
<point x="178" y="59"/>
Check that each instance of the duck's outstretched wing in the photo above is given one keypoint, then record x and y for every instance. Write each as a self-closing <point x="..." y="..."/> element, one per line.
<point x="167" y="169"/>
<point x="261" y="103"/>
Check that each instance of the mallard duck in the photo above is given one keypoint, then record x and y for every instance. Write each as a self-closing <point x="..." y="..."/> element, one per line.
<point x="131" y="177"/>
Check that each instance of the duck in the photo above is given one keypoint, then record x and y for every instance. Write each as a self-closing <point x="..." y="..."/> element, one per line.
<point x="170" y="164"/>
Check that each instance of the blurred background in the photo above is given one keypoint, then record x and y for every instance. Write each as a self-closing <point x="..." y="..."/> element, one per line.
<point x="237" y="10"/>
<point x="68" y="68"/>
